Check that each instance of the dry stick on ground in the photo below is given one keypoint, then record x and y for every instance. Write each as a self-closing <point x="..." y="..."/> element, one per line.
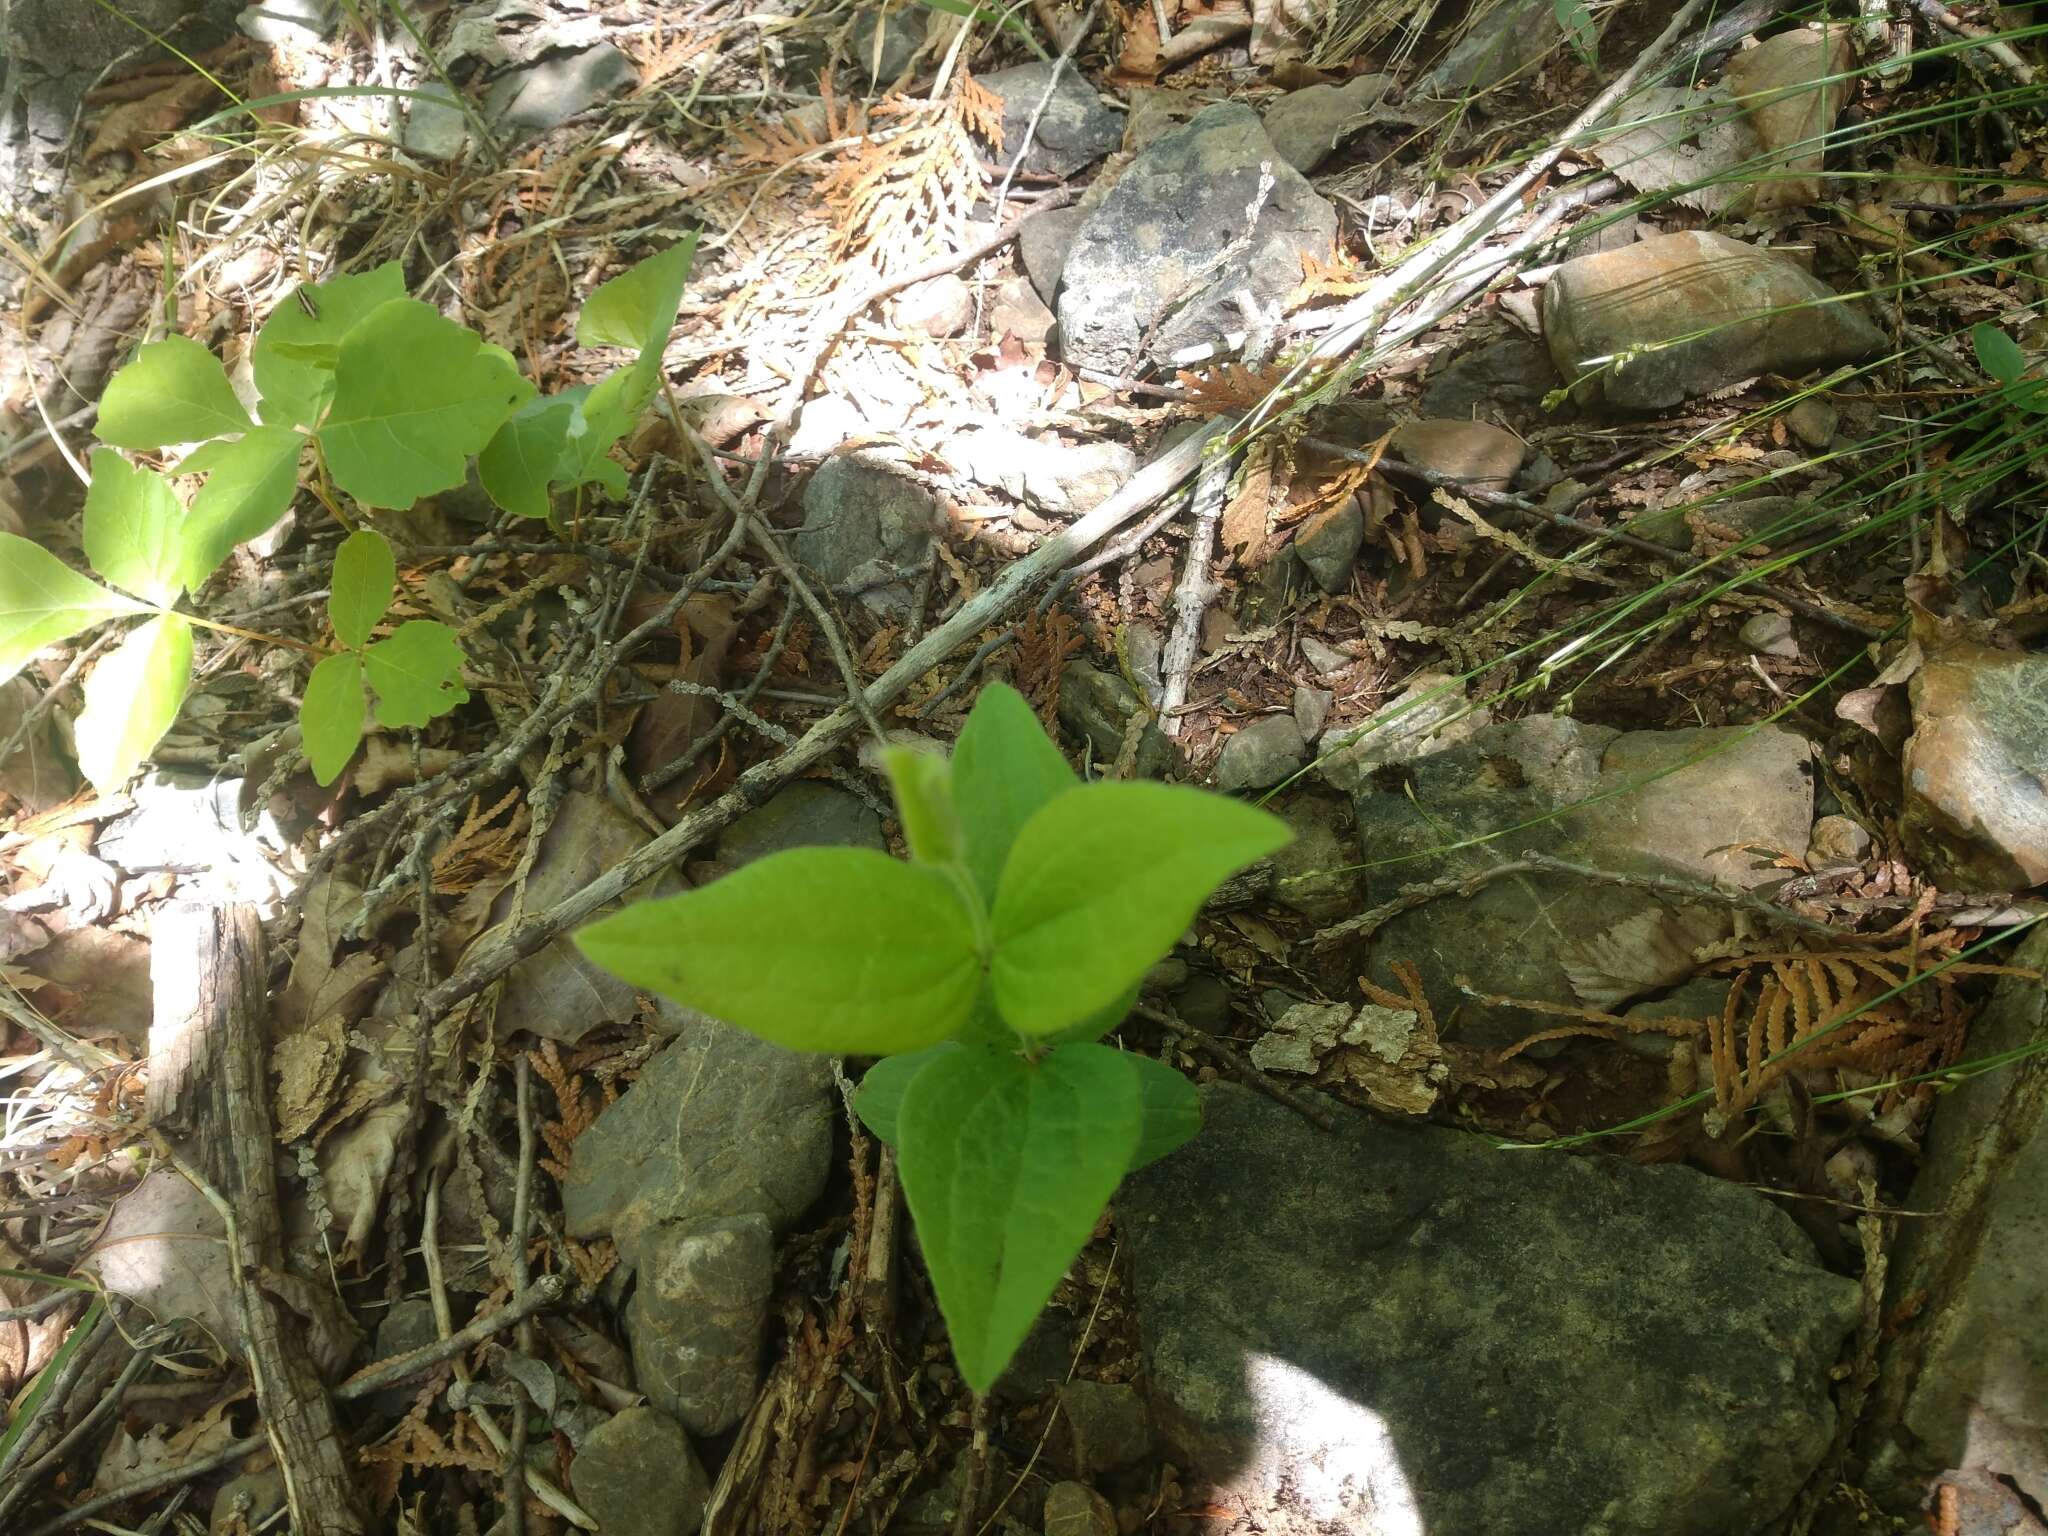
<point x="34" y="1473"/>
<point x="209" y="1084"/>
<point x="60" y="1390"/>
<point x="1191" y="597"/>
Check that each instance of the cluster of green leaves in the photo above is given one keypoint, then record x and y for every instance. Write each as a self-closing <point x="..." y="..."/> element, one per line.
<point x="2000" y="357"/>
<point x="985" y="970"/>
<point x="390" y="401"/>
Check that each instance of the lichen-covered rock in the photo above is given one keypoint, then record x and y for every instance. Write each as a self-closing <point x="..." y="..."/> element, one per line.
<point x="866" y="530"/>
<point x="1976" y="768"/>
<point x="1074" y="130"/>
<point x="1261" y="755"/>
<point x="698" y="1315"/>
<point x="1466" y="1341"/>
<point x="1307" y="125"/>
<point x="1693" y="312"/>
<point x="636" y="1475"/>
<point x="1138" y="266"/>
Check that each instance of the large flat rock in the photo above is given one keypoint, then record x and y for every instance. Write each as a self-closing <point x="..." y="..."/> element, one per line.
<point x="1397" y="1330"/>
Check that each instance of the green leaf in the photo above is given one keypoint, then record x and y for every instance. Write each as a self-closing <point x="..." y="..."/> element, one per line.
<point x="331" y="715"/>
<point x="1101" y="882"/>
<point x="522" y="457"/>
<point x="249" y="485"/>
<point x="415" y="673"/>
<point x="924" y="799"/>
<point x="1997" y="353"/>
<point x="1171" y="1110"/>
<point x="42" y="601"/>
<point x="637" y="308"/>
<point x="1005" y="771"/>
<point x="174" y="392"/>
<point x="1007" y="1166"/>
<point x="297" y="347"/>
<point x="414" y="396"/>
<point x="360" y="591"/>
<point x="131" y="698"/>
<point x="1579" y="31"/>
<point x="1098" y="1023"/>
<point x="818" y="949"/>
<point x="602" y="416"/>
<point x="132" y="529"/>
<point x="880" y="1096"/>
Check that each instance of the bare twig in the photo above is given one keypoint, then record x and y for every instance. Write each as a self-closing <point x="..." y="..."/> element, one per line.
<point x="1192" y="596"/>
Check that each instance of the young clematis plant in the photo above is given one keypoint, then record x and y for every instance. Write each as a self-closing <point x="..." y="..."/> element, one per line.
<point x="387" y="401"/>
<point x="984" y="970"/>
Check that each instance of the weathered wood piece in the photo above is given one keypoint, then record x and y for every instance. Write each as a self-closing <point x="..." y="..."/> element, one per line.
<point x="209" y="1094"/>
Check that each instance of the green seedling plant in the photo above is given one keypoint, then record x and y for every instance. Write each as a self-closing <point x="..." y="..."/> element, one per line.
<point x="985" y="970"/>
<point x="366" y="397"/>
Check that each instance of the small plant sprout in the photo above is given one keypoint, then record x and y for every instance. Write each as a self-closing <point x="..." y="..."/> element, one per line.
<point x="984" y="970"/>
<point x="384" y="401"/>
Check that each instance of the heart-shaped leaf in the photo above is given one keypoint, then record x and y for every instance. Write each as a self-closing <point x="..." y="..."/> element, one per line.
<point x="131" y="698"/>
<point x="174" y="392"/>
<point x="817" y="949"/>
<point x="1005" y="771"/>
<point x="1007" y="1166"/>
<point x="637" y="308"/>
<point x="524" y="456"/>
<point x="880" y="1099"/>
<point x="42" y="601"/>
<point x="414" y="396"/>
<point x="1100" y="883"/>
<point x="132" y="529"/>
<point x="296" y="350"/>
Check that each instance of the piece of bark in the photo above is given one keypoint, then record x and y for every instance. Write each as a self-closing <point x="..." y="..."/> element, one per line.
<point x="210" y="1093"/>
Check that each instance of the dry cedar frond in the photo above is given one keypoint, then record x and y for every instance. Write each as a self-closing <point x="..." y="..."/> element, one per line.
<point x="659" y="56"/>
<point x="479" y="849"/>
<point x="578" y="1112"/>
<point x="1337" y="278"/>
<point x="903" y="195"/>
<point x="1883" y="1013"/>
<point x="1046" y="642"/>
<point x="1410" y="997"/>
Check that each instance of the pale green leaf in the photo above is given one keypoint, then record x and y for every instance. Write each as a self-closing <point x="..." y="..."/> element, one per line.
<point x="1005" y="770"/>
<point x="637" y="308"/>
<point x="1099" y="1023"/>
<point x="1007" y="1166"/>
<point x="523" y="456"/>
<point x="1997" y="353"/>
<point x="174" y="392"/>
<point x="818" y="949"/>
<point x="923" y="783"/>
<point x="882" y="1087"/>
<point x="1171" y="1110"/>
<point x="415" y="673"/>
<point x="131" y="698"/>
<point x="414" y="396"/>
<point x="1098" y="886"/>
<point x="249" y="485"/>
<point x="331" y="715"/>
<point x="1579" y="31"/>
<point x="296" y="350"/>
<point x="132" y="529"/>
<point x="42" y="601"/>
<point x="360" y="591"/>
<point x="602" y="416"/>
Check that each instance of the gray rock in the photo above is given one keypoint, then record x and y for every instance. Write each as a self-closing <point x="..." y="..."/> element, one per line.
<point x="1750" y="517"/>
<point x="1813" y="421"/>
<point x="1097" y="706"/>
<point x="1428" y="715"/>
<point x="1307" y="125"/>
<point x="866" y="529"/>
<point x="940" y="306"/>
<point x="697" y="1319"/>
<point x="1261" y="755"/>
<point x="1967" y="1383"/>
<point x="720" y="1124"/>
<point x="1043" y="243"/>
<point x="1075" y="1509"/>
<point x="1042" y="1360"/>
<point x="802" y="815"/>
<point x="247" y="1503"/>
<point x="1770" y="634"/>
<point x="1617" y="801"/>
<point x="1701" y="312"/>
<point x="1205" y="1003"/>
<point x="1511" y="371"/>
<point x="1015" y="309"/>
<point x="59" y="36"/>
<point x="1270" y="591"/>
<point x="1328" y="543"/>
<point x="1313" y="875"/>
<point x="289" y="21"/>
<point x="1474" y="451"/>
<point x="1175" y="209"/>
<point x="407" y="1326"/>
<point x="1500" y="44"/>
<point x="636" y="1473"/>
<point x="1976" y="768"/>
<point x="1311" y="709"/>
<point x="824" y="424"/>
<point x="1326" y="659"/>
<point x="901" y="32"/>
<point x="1406" y="1359"/>
<point x="1075" y="129"/>
<point x="1055" y="478"/>
<point x="548" y="93"/>
<point x="1106" y="1424"/>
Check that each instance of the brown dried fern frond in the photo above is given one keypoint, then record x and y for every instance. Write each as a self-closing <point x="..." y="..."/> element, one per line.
<point x="903" y="196"/>
<point x="1880" y="1012"/>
